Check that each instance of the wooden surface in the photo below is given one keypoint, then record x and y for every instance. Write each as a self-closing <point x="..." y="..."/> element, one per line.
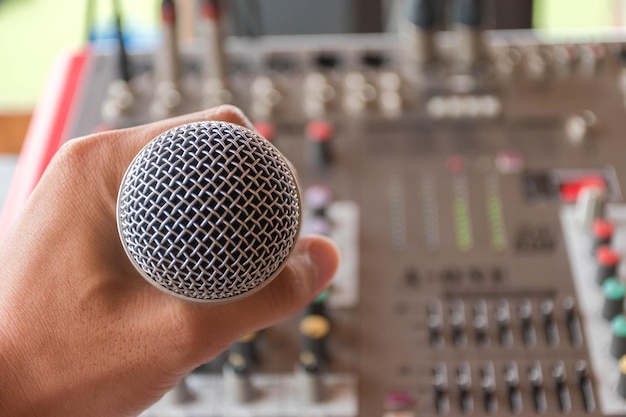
<point x="13" y="127"/>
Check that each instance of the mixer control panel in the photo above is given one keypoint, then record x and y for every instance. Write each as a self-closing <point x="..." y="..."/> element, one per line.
<point x="473" y="181"/>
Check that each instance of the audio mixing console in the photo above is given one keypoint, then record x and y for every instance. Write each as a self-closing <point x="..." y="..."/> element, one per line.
<point x="473" y="182"/>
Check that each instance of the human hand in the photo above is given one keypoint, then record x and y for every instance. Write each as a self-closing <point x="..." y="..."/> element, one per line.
<point x="81" y="333"/>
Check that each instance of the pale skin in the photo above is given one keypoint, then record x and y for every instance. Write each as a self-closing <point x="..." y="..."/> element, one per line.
<point x="81" y="333"/>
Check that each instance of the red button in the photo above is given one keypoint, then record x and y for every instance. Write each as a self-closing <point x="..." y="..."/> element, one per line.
<point x="266" y="129"/>
<point x="320" y="131"/>
<point x="603" y="229"/>
<point x="455" y="164"/>
<point x="607" y="256"/>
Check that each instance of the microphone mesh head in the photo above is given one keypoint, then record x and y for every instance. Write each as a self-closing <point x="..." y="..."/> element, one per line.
<point x="209" y="211"/>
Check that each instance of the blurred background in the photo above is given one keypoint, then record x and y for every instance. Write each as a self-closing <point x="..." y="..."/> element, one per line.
<point x="34" y="32"/>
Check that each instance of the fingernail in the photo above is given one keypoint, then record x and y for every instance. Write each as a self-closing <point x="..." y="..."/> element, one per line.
<point x="324" y="257"/>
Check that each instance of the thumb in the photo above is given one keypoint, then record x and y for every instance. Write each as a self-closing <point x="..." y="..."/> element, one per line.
<point x="307" y="273"/>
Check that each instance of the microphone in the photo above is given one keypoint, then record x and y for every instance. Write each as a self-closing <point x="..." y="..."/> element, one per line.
<point x="209" y="212"/>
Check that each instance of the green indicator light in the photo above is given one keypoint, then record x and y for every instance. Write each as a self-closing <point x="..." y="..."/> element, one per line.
<point x="618" y="325"/>
<point x="462" y="222"/>
<point x="613" y="289"/>
<point x="494" y="213"/>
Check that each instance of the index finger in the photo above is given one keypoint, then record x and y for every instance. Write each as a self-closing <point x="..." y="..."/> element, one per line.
<point x="139" y="136"/>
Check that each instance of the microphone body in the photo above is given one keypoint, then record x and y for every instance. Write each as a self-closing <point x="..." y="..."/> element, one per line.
<point x="209" y="212"/>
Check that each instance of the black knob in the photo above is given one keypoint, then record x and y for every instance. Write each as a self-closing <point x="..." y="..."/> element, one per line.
<point x="614" y="292"/>
<point x="618" y="341"/>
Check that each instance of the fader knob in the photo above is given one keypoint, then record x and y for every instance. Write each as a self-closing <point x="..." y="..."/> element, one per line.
<point x="618" y="341"/>
<point x="614" y="292"/>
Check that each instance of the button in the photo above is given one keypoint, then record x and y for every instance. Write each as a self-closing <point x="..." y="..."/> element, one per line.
<point x="602" y="234"/>
<point x="608" y="261"/>
<point x="320" y="134"/>
<point x="266" y="129"/>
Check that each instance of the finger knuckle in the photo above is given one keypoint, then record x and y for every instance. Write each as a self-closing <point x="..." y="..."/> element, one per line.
<point x="79" y="155"/>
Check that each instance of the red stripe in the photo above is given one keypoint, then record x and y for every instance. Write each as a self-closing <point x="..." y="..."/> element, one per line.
<point x="46" y="132"/>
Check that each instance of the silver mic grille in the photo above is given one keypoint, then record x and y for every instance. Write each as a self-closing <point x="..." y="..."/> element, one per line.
<point x="209" y="211"/>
